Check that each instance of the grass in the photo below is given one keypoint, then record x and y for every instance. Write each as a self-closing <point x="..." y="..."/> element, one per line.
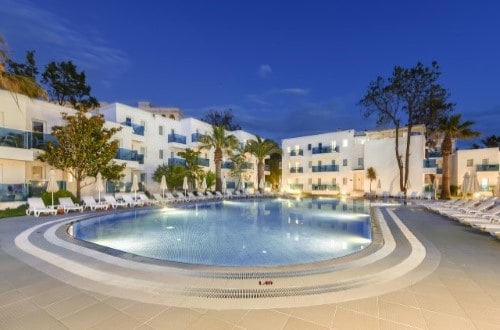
<point x="17" y="212"/>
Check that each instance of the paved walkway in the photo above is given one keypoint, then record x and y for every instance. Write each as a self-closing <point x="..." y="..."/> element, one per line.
<point x="462" y="293"/>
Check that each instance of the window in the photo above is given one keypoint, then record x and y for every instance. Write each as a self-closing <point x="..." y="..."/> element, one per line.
<point x="143" y="177"/>
<point x="361" y="162"/>
<point x="344" y="181"/>
<point x="485" y="161"/>
<point x="37" y="128"/>
<point x="288" y="150"/>
<point x="344" y="162"/>
<point x="319" y="163"/>
<point x="310" y="181"/>
<point x="160" y="130"/>
<point x="128" y="121"/>
<point x="334" y="181"/>
<point x="319" y="181"/>
<point x="142" y="151"/>
<point x="143" y="124"/>
<point x="161" y="154"/>
<point x="470" y="162"/>
<point x="310" y="164"/>
<point x="36" y="172"/>
<point x="345" y="143"/>
<point x="309" y="146"/>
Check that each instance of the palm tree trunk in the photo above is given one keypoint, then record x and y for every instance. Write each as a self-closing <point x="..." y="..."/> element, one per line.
<point x="260" y="173"/>
<point x="445" y="193"/>
<point x="218" y="165"/>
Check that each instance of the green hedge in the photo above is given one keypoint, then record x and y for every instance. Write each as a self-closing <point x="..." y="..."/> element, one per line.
<point x="47" y="197"/>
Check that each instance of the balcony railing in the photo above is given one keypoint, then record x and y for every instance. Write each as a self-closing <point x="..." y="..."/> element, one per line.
<point x="325" y="168"/>
<point x="177" y="138"/>
<point x="331" y="187"/>
<point x="297" y="169"/>
<point x="203" y="162"/>
<point x="429" y="163"/>
<point x="227" y="165"/>
<point x="325" y="150"/>
<point x="176" y="161"/>
<point x="127" y="154"/>
<point x="439" y="170"/>
<point x="195" y="137"/>
<point x="297" y="152"/>
<point x="16" y="138"/>
<point x="296" y="186"/>
<point x="138" y="129"/>
<point x="434" y="154"/>
<point x="11" y="192"/>
<point x="247" y="166"/>
<point x="487" y="168"/>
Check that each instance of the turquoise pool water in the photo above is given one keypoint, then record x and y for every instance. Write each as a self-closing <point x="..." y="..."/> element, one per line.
<point x="267" y="232"/>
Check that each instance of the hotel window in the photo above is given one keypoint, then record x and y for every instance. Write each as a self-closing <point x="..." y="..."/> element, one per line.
<point x="310" y="181"/>
<point x="344" y="181"/>
<point x="161" y="154"/>
<point x="309" y="146"/>
<point x="470" y="162"/>
<point x="128" y="121"/>
<point x="361" y="162"/>
<point x="485" y="161"/>
<point x="310" y="164"/>
<point x="334" y="181"/>
<point x="37" y="128"/>
<point x="160" y="130"/>
<point x="143" y="177"/>
<point x="345" y="143"/>
<point x="344" y="162"/>
<point x="36" y="173"/>
<point x="142" y="151"/>
<point x="319" y="181"/>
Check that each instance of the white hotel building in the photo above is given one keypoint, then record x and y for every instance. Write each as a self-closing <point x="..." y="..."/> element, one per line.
<point x="149" y="137"/>
<point x="336" y="162"/>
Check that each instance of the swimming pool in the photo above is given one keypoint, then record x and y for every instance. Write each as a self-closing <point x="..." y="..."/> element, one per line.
<point x="267" y="232"/>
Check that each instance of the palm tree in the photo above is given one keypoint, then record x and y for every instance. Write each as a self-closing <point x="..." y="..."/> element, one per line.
<point x="371" y="175"/>
<point x="261" y="149"/>
<point x="221" y="143"/>
<point x="15" y="83"/>
<point x="451" y="128"/>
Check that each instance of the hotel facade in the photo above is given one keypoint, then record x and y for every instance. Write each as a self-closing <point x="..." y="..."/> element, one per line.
<point x="149" y="137"/>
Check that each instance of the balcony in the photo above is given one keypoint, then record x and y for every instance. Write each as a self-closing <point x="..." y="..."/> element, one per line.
<point x="203" y="162"/>
<point x="15" y="138"/>
<point x="325" y="168"/>
<point x="297" y="169"/>
<point x="247" y="166"/>
<point x="330" y="187"/>
<point x="177" y="138"/>
<point x="487" y="168"/>
<point x="434" y="154"/>
<point x="195" y="137"/>
<point x="296" y="186"/>
<point x="131" y="155"/>
<point x="176" y="161"/>
<point x="429" y="163"/>
<point x="138" y="129"/>
<point x="227" y="165"/>
<point x="12" y="192"/>
<point x="324" y="150"/>
<point x="297" y="152"/>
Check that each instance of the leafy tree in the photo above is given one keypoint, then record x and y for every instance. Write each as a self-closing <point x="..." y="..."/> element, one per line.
<point x="238" y="161"/>
<point x="491" y="141"/>
<point x="221" y="118"/>
<point x="262" y="149"/>
<point x="452" y="128"/>
<point x="209" y="178"/>
<point x="68" y="86"/>
<point x="84" y="148"/>
<point x="27" y="69"/>
<point x="371" y="175"/>
<point x="274" y="166"/>
<point x="409" y="97"/>
<point x="221" y="143"/>
<point x="17" y="81"/>
<point x="193" y="170"/>
<point x="174" y="175"/>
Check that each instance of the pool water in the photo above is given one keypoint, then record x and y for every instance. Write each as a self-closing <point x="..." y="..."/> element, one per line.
<point x="267" y="232"/>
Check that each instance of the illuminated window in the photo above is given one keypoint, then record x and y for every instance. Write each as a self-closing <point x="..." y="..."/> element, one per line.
<point x="470" y="162"/>
<point x="345" y="143"/>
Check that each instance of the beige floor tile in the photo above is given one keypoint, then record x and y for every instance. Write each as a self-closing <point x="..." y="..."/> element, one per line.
<point x="388" y="325"/>
<point x="482" y="325"/>
<point x="118" y="303"/>
<point x="294" y="323"/>
<point x="366" y="306"/>
<point x="349" y="319"/>
<point x="55" y="295"/>
<point x="440" y="304"/>
<point x="70" y="306"/>
<point x="206" y="322"/>
<point x="481" y="313"/>
<point x="174" y="318"/>
<point x="89" y="316"/>
<point x="42" y="285"/>
<point x="232" y="315"/>
<point x="439" y="321"/>
<point x="263" y="319"/>
<point x="403" y="297"/>
<point x="10" y="297"/>
<point x="144" y="312"/>
<point x="322" y="315"/>
<point x="406" y="315"/>
<point x="428" y="288"/>
<point x="117" y="321"/>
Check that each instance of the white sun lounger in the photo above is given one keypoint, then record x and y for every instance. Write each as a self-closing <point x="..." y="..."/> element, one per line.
<point x="37" y="207"/>
<point x="160" y="199"/>
<point x="67" y="204"/>
<point x="111" y="200"/>
<point x="131" y="201"/>
<point x="90" y="203"/>
<point x="147" y="200"/>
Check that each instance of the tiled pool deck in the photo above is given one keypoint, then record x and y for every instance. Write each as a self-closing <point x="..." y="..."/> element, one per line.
<point x="456" y="287"/>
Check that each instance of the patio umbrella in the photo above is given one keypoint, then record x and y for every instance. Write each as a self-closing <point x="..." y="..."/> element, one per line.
<point x="465" y="183"/>
<point x="261" y="184"/>
<point x="99" y="186"/>
<point x="163" y="185"/>
<point x="474" y="184"/>
<point x="135" y="185"/>
<point x="204" y="184"/>
<point x="497" y="188"/>
<point x="436" y="185"/>
<point x="185" y="185"/>
<point x="224" y="185"/>
<point x="52" y="185"/>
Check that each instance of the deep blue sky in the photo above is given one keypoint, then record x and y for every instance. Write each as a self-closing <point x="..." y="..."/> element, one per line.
<point x="286" y="68"/>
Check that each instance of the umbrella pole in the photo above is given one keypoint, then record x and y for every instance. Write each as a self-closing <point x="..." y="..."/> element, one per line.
<point x="52" y="198"/>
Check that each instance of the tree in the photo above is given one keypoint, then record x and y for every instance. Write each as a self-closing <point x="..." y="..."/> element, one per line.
<point x="409" y="97"/>
<point x="221" y="143"/>
<point x="209" y="178"/>
<point x="262" y="149"/>
<point x="68" y="86"/>
<point x="84" y="148"/>
<point x="491" y="141"/>
<point x="371" y="175"/>
<point x="193" y="170"/>
<point x="174" y="175"/>
<point x="238" y="161"/>
<point x="20" y="79"/>
<point x="274" y="169"/>
<point x="451" y="128"/>
<point x="27" y="69"/>
<point x="219" y="118"/>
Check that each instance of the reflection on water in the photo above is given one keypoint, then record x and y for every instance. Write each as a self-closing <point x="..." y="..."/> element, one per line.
<point x="237" y="233"/>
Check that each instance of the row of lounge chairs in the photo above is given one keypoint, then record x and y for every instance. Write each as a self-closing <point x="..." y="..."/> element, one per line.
<point x="479" y="214"/>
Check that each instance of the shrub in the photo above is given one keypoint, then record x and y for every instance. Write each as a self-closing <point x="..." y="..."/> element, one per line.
<point x="47" y="197"/>
<point x="453" y="190"/>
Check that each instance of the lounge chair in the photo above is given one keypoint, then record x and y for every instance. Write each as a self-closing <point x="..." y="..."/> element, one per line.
<point x="211" y="196"/>
<point x="147" y="200"/>
<point x="90" y="203"/>
<point x="483" y="217"/>
<point x="111" y="200"/>
<point x="160" y="199"/>
<point x="477" y="208"/>
<point x="67" y="204"/>
<point x="192" y="198"/>
<point x="131" y="201"/>
<point x="219" y="195"/>
<point x="37" y="207"/>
